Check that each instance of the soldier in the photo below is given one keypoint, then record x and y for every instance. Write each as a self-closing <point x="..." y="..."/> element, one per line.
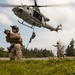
<point x="15" y="40"/>
<point x="59" y="54"/>
<point x="32" y="37"/>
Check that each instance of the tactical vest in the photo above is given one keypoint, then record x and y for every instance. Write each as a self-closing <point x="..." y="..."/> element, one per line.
<point x="13" y="40"/>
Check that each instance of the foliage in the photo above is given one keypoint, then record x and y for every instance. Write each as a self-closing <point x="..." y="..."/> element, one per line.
<point x="37" y="53"/>
<point x="29" y="53"/>
<point x="34" y="67"/>
<point x="70" y="51"/>
<point x="3" y="53"/>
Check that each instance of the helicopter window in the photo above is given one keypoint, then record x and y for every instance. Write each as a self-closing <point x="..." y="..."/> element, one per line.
<point x="28" y="8"/>
<point x="20" y="10"/>
<point x="30" y="13"/>
<point x="37" y="15"/>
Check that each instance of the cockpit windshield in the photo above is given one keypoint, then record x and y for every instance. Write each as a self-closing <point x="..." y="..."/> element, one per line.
<point x="37" y="15"/>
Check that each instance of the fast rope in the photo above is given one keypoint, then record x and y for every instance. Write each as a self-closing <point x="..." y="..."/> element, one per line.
<point x="32" y="37"/>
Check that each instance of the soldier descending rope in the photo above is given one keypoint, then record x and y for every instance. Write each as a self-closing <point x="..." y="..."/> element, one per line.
<point x="32" y="37"/>
<point x="15" y="40"/>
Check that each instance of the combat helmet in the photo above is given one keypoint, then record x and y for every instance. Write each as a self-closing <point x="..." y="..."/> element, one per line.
<point x="57" y="42"/>
<point x="15" y="27"/>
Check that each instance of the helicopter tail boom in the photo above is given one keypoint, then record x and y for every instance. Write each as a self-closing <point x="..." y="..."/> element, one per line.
<point x="59" y="27"/>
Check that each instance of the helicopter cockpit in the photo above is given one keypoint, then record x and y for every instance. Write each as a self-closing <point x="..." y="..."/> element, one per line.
<point x="37" y="15"/>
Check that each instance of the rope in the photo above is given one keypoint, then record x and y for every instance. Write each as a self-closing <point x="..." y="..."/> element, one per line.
<point x="27" y="45"/>
<point x="32" y="37"/>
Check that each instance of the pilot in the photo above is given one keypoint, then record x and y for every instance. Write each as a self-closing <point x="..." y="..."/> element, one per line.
<point x="15" y="40"/>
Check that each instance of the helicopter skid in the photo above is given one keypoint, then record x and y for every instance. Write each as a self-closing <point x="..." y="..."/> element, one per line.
<point x="25" y="24"/>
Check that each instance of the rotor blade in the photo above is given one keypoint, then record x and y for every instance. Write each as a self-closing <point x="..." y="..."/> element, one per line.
<point x="56" y="5"/>
<point x="8" y="5"/>
<point x="31" y="5"/>
<point x="53" y="5"/>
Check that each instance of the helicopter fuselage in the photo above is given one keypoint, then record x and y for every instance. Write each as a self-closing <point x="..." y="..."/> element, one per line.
<point x="30" y="15"/>
<point x="33" y="17"/>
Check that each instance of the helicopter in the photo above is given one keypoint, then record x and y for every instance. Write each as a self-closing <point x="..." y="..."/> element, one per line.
<point x="32" y="15"/>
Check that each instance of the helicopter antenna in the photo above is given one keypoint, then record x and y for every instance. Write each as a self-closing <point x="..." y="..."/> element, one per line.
<point x="21" y="3"/>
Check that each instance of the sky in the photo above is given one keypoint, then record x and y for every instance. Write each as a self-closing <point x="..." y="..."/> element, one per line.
<point x="44" y="37"/>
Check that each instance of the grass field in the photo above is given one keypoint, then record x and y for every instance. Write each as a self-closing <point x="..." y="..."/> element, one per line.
<point x="38" y="67"/>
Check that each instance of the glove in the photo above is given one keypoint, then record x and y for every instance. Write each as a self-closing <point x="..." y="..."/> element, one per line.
<point x="7" y="32"/>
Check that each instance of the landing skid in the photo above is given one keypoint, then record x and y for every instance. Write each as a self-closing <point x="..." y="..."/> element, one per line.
<point x="26" y="25"/>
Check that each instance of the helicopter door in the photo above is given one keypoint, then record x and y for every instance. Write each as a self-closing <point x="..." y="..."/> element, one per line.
<point x="37" y="15"/>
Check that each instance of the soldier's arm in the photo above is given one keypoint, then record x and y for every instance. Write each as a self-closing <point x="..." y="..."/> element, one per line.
<point x="15" y="36"/>
<point x="55" y="45"/>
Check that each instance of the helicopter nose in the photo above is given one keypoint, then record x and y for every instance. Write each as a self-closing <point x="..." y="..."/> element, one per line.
<point x="17" y="10"/>
<point x="20" y="10"/>
<point x="14" y="10"/>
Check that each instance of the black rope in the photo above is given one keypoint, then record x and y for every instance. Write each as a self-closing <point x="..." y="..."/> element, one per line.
<point x="32" y="37"/>
<point x="27" y="45"/>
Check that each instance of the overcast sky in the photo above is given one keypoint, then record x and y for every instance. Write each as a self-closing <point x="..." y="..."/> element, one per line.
<point x="44" y="37"/>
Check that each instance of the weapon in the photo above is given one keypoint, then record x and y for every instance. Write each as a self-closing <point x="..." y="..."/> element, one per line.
<point x="7" y="31"/>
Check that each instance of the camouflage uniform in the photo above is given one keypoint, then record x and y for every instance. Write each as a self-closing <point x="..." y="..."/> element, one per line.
<point x="15" y="50"/>
<point x="32" y="37"/>
<point x="59" y="54"/>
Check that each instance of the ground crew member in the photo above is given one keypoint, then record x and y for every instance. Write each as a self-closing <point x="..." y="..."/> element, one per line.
<point x="59" y="54"/>
<point x="15" y="40"/>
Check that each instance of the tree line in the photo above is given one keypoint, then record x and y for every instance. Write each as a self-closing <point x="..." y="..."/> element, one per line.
<point x="70" y="50"/>
<point x="29" y="52"/>
<point x="3" y="52"/>
<point x="37" y="52"/>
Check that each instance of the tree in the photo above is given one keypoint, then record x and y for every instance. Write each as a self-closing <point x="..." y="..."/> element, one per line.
<point x="37" y="52"/>
<point x="70" y="51"/>
<point x="3" y="53"/>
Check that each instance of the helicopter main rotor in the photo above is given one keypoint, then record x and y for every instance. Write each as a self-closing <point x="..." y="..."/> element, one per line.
<point x="33" y="15"/>
<point x="37" y="6"/>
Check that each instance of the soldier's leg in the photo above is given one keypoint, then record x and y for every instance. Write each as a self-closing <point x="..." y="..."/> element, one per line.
<point x="11" y="50"/>
<point x="62" y="53"/>
<point x="58" y="53"/>
<point x="11" y="56"/>
<point x="13" y="53"/>
<point x="18" y="51"/>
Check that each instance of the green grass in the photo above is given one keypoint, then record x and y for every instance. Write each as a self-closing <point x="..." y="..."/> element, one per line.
<point x="38" y="67"/>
